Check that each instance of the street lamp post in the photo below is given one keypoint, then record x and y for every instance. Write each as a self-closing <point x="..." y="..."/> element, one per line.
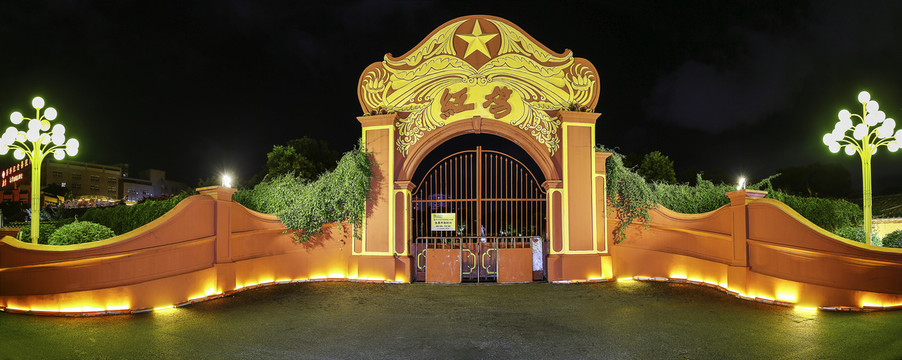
<point x="874" y="131"/>
<point x="40" y="140"/>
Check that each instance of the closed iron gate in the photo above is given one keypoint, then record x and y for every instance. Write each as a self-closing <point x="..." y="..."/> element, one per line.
<point x="496" y="200"/>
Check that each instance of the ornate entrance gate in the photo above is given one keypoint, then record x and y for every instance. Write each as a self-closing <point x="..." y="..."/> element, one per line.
<point x="497" y="202"/>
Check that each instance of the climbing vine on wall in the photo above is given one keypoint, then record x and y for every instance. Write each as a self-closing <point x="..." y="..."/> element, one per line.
<point x="630" y="198"/>
<point x="304" y="206"/>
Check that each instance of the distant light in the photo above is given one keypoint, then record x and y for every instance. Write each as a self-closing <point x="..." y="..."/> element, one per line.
<point x="741" y="183"/>
<point x="226" y="181"/>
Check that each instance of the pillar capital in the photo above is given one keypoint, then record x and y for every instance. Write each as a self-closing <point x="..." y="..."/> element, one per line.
<point x="218" y="192"/>
<point x="377" y="120"/>
<point x="578" y="117"/>
<point x="740" y="197"/>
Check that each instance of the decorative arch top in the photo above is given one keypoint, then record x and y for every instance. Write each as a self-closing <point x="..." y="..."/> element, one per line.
<point x="482" y="66"/>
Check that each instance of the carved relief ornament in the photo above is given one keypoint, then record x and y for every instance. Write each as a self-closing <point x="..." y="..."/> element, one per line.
<point x="478" y="66"/>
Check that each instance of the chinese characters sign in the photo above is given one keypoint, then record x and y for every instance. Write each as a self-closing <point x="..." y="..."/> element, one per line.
<point x="478" y="66"/>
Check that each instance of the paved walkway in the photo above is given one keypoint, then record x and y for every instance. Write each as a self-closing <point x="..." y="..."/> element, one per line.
<point x="631" y="320"/>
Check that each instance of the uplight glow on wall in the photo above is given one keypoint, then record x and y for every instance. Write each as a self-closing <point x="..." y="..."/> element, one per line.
<point x="38" y="141"/>
<point x="874" y="130"/>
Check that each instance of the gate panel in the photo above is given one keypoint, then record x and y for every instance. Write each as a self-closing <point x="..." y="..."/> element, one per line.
<point x="493" y="195"/>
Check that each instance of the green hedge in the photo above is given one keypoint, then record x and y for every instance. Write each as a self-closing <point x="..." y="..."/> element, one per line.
<point x="856" y="233"/>
<point x="80" y="232"/>
<point x="304" y="206"/>
<point x="632" y="196"/>
<point x="701" y="198"/>
<point x="893" y="239"/>
<point x="44" y="232"/>
<point x="122" y="218"/>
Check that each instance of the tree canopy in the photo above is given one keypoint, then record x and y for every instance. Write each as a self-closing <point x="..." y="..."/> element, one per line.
<point x="305" y="157"/>
<point x="657" y="167"/>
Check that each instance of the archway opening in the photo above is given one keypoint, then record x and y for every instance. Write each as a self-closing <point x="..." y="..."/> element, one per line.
<point x="478" y="193"/>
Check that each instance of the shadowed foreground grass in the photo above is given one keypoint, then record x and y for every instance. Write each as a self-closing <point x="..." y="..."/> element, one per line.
<point x="632" y="320"/>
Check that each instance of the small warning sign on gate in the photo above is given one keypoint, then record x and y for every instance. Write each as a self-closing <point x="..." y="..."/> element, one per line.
<point x="444" y="221"/>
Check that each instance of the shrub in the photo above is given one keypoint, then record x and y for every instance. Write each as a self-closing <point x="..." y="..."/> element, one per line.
<point x="632" y="197"/>
<point x="44" y="232"/>
<point x="856" y="233"/>
<point x="701" y="198"/>
<point x="830" y="214"/>
<point x="122" y="218"/>
<point x="80" y="232"/>
<point x="304" y="206"/>
<point x="893" y="240"/>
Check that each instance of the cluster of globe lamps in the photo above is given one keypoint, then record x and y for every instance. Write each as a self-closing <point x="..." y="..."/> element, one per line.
<point x="40" y="140"/>
<point x="39" y="133"/>
<point x="873" y="131"/>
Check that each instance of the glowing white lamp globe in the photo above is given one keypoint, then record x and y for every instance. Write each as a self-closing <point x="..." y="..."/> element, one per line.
<point x="16" y="118"/>
<point x="880" y="116"/>
<point x="34" y="124"/>
<point x="50" y="114"/>
<point x="845" y="115"/>
<point x="72" y="147"/>
<point x="226" y="181"/>
<point x="860" y="131"/>
<point x="890" y="124"/>
<point x="864" y="97"/>
<point x="834" y="148"/>
<point x="59" y="129"/>
<point x="4" y="149"/>
<point x="58" y="154"/>
<point x="37" y="102"/>
<point x="850" y="150"/>
<point x="872" y="106"/>
<point x="828" y="139"/>
<point x="870" y="119"/>
<point x="19" y="154"/>
<point x="893" y="146"/>
<point x="58" y="139"/>
<point x="33" y="135"/>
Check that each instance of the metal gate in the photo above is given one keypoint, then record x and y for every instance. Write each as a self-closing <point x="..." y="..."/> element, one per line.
<point x="496" y="200"/>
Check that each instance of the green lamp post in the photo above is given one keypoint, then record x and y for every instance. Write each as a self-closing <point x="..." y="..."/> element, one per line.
<point x="874" y="130"/>
<point x="39" y="141"/>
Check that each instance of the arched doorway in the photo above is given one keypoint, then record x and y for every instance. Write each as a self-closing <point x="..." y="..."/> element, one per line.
<point x="486" y="197"/>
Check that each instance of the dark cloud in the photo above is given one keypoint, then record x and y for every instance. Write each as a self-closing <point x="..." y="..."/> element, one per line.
<point x="773" y="68"/>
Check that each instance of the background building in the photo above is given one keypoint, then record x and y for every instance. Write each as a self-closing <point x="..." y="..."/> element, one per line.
<point x="86" y="183"/>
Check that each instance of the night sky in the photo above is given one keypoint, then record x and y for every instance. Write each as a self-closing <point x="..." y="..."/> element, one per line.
<point x="198" y="88"/>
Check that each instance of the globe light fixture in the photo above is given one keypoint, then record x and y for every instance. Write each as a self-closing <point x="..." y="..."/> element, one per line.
<point x="226" y="181"/>
<point x="874" y="131"/>
<point x="37" y="142"/>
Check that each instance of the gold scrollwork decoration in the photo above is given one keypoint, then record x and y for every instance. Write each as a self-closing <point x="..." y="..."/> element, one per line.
<point x="536" y="82"/>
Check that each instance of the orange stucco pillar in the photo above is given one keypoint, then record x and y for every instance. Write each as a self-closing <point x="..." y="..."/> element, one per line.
<point x="375" y="254"/>
<point x="575" y="254"/>
<point x="738" y="270"/>
<point x="225" y="268"/>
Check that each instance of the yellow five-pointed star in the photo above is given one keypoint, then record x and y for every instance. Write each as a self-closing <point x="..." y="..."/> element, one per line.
<point x="476" y="41"/>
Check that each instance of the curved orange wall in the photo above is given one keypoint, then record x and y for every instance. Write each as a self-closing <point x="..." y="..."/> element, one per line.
<point x="761" y="249"/>
<point x="207" y="246"/>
